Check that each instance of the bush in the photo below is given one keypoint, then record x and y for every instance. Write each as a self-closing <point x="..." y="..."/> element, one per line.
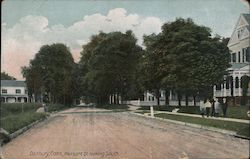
<point x="56" y="107"/>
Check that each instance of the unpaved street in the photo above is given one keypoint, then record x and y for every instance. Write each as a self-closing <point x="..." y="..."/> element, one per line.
<point x="80" y="133"/>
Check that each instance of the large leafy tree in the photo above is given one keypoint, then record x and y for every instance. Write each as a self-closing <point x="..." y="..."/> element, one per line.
<point x="6" y="76"/>
<point x="151" y="66"/>
<point x="111" y="60"/>
<point x="51" y="72"/>
<point x="190" y="60"/>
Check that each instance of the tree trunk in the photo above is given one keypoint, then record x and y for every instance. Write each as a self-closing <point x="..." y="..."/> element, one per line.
<point x="194" y="97"/>
<point x="166" y="97"/>
<point x="64" y="99"/>
<point x="158" y="100"/>
<point x="186" y="99"/>
<point x="179" y="100"/>
<point x="114" y="99"/>
<point x="158" y="97"/>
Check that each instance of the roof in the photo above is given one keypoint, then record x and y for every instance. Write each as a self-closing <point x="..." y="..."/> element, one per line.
<point x="12" y="83"/>
<point x="247" y="17"/>
<point x="238" y="65"/>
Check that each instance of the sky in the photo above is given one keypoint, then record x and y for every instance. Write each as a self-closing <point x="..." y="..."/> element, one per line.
<point x="29" y="24"/>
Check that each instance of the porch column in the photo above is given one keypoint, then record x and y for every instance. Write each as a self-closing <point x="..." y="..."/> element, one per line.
<point x="170" y="95"/>
<point x="225" y="89"/>
<point x="239" y="89"/>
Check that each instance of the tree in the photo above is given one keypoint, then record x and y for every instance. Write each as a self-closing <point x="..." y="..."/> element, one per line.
<point x="189" y="60"/>
<point x="50" y="73"/>
<point x="6" y="76"/>
<point x="151" y="73"/>
<point x="111" y="60"/>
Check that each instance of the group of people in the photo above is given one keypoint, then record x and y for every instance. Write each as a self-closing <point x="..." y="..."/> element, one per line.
<point x="213" y="107"/>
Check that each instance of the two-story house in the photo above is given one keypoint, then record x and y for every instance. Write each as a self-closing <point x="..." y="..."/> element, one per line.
<point x="14" y="91"/>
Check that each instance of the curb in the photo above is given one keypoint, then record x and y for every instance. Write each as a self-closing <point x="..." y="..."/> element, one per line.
<point x="227" y="132"/>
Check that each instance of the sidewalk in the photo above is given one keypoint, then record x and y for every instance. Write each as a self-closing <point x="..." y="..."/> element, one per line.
<point x="199" y="116"/>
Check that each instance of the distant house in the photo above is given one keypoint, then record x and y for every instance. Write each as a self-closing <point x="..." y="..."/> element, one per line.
<point x="13" y="91"/>
<point x="239" y="46"/>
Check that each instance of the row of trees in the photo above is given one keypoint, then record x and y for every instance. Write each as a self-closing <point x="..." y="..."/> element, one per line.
<point x="183" y="57"/>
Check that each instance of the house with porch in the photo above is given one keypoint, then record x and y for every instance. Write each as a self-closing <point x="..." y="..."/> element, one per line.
<point x="239" y="46"/>
<point x="13" y="91"/>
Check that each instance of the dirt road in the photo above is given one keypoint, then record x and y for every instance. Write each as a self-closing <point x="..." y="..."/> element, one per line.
<point x="80" y="134"/>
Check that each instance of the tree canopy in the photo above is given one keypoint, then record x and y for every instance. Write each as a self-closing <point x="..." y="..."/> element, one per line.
<point x="6" y="76"/>
<point x="110" y="61"/>
<point x="50" y="73"/>
<point x="186" y="57"/>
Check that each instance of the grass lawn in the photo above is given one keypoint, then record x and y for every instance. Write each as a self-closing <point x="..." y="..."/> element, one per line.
<point x="13" y="123"/>
<point x="239" y="128"/>
<point x="8" y="109"/>
<point x="113" y="106"/>
<point x="239" y="112"/>
<point x="15" y="116"/>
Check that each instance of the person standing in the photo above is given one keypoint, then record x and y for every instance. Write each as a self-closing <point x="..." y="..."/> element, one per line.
<point x="224" y="107"/>
<point x="208" y="106"/>
<point x="216" y="108"/>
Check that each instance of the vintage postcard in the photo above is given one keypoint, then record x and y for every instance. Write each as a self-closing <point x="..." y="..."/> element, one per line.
<point x="125" y="79"/>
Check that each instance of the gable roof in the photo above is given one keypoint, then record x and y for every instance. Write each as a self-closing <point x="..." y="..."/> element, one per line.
<point x="243" y="19"/>
<point x="12" y="83"/>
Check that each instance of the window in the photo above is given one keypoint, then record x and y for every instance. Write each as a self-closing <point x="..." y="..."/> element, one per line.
<point x="18" y="91"/>
<point x="240" y="33"/>
<point x="243" y="54"/>
<point x="248" y="54"/>
<point x="236" y="82"/>
<point x="4" y="90"/>
<point x="233" y="57"/>
<point x="239" y="57"/>
<point x="218" y="86"/>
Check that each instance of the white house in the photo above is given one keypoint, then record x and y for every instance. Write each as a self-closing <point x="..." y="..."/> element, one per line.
<point x="239" y="46"/>
<point x="13" y="91"/>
